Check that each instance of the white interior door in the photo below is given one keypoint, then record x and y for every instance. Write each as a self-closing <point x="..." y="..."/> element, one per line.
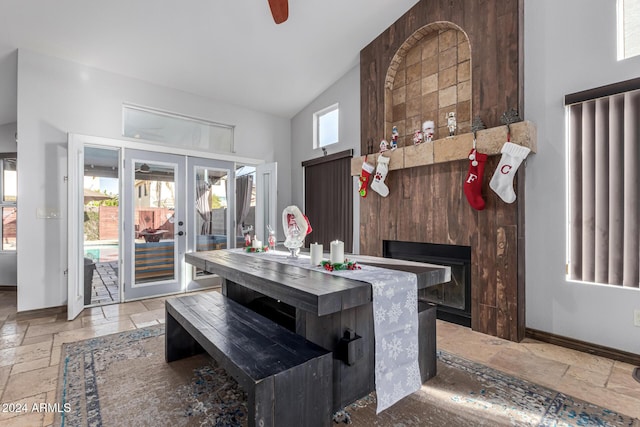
<point x="266" y="200"/>
<point x="155" y="224"/>
<point x="75" y="187"/>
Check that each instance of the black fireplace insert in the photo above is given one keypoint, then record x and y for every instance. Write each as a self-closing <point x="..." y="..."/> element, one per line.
<point x="453" y="299"/>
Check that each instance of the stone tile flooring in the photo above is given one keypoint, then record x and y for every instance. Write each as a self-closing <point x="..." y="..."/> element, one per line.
<point x="105" y="283"/>
<point x="30" y="347"/>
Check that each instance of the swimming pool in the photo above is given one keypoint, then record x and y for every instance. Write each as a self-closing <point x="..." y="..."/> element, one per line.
<point x="101" y="252"/>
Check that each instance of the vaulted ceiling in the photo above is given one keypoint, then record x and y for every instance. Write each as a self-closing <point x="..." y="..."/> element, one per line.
<point x="228" y="50"/>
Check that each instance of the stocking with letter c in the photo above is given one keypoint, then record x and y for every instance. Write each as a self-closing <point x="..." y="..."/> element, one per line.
<point x="502" y="181"/>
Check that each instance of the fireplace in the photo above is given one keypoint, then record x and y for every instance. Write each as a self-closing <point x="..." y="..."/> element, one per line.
<point x="453" y="299"/>
<point x="426" y="201"/>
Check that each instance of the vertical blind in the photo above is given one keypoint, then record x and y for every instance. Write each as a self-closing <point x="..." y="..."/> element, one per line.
<point x="604" y="189"/>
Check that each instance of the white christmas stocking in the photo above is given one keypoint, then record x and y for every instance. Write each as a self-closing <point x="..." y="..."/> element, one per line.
<point x="382" y="169"/>
<point x="502" y="180"/>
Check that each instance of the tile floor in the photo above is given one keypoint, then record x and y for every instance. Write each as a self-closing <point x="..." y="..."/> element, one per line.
<point x="104" y="289"/>
<point x="30" y="345"/>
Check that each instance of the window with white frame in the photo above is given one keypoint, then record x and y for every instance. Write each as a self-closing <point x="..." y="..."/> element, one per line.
<point x="8" y="199"/>
<point x="628" y="28"/>
<point x="603" y="159"/>
<point x="326" y="126"/>
<point x="176" y="130"/>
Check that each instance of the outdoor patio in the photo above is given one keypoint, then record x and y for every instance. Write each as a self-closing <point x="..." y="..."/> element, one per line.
<point x="104" y="289"/>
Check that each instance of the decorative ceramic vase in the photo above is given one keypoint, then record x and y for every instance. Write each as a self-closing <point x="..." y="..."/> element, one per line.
<point x="296" y="227"/>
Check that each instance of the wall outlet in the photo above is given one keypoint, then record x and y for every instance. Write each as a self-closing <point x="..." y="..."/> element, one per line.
<point x="636" y="317"/>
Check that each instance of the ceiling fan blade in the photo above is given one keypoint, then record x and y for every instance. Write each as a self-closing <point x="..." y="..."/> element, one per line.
<point x="279" y="10"/>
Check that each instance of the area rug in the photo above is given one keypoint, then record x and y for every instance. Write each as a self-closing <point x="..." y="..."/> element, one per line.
<point x="123" y="380"/>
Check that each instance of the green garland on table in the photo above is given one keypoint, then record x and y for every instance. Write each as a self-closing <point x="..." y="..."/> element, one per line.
<point x="252" y="249"/>
<point x="346" y="265"/>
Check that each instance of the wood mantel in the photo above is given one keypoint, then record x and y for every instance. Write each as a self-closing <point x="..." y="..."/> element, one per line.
<point x="488" y="141"/>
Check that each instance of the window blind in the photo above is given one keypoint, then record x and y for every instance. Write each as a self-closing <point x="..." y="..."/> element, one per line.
<point x="604" y="183"/>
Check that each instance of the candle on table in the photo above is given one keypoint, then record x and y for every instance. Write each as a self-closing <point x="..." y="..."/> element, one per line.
<point x="336" y="255"/>
<point x="316" y="254"/>
<point x="257" y="244"/>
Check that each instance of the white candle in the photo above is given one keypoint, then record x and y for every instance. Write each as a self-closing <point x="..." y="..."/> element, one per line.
<point x="336" y="254"/>
<point x="316" y="254"/>
<point x="257" y="244"/>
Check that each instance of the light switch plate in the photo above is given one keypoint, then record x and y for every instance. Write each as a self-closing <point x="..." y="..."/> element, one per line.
<point x="47" y="213"/>
<point x="636" y="317"/>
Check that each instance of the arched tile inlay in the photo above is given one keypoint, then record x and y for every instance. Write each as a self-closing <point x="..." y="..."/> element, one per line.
<point x="429" y="76"/>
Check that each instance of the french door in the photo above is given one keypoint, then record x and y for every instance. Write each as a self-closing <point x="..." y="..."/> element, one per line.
<point x="167" y="205"/>
<point x="154" y="226"/>
<point x="211" y="211"/>
<point x="175" y="204"/>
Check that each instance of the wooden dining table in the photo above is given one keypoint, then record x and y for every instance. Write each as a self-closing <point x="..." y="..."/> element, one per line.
<point x="330" y="310"/>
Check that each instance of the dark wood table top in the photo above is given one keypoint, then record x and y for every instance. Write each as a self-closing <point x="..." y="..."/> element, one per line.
<point x="309" y="290"/>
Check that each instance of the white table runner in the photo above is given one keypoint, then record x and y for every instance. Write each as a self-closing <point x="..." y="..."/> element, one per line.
<point x="395" y="315"/>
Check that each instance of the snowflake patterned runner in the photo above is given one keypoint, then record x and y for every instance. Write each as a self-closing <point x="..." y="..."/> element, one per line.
<point x="395" y="321"/>
<point x="395" y="315"/>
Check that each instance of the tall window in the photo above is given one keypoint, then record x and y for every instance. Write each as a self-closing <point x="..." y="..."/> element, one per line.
<point x="604" y="184"/>
<point x="325" y="126"/>
<point x="8" y="198"/>
<point x="628" y="28"/>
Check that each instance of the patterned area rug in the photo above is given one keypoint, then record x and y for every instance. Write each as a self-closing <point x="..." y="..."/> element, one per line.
<point x="123" y="380"/>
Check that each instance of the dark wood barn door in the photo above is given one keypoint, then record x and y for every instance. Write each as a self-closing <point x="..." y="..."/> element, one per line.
<point x="328" y="199"/>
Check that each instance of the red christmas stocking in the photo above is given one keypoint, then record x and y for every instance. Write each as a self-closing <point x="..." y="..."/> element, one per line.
<point x="365" y="177"/>
<point x="473" y="181"/>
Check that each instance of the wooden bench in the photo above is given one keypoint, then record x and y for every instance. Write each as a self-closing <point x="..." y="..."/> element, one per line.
<point x="288" y="379"/>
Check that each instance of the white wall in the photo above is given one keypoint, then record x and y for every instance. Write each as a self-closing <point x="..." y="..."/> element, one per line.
<point x="570" y="46"/>
<point x="345" y="92"/>
<point x="56" y="97"/>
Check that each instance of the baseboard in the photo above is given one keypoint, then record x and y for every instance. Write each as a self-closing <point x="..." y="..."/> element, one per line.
<point x="42" y="312"/>
<point x="596" y="350"/>
<point x="8" y="288"/>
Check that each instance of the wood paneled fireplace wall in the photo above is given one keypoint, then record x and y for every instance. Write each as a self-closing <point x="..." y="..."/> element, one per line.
<point x="407" y="76"/>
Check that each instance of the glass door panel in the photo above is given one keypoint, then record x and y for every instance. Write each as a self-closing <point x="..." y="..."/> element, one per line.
<point x="101" y="225"/>
<point x="210" y="210"/>
<point x="245" y="181"/>
<point x="154" y="190"/>
<point x="153" y="221"/>
<point x="9" y="216"/>
<point x="266" y="216"/>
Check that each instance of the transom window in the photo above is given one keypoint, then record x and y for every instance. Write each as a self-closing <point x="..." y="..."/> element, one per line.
<point x="326" y="126"/>
<point x="175" y="129"/>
